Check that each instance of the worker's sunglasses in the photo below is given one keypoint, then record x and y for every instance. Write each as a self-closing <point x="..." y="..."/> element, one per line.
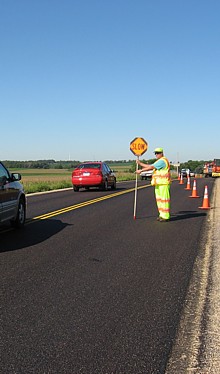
<point x="157" y="153"/>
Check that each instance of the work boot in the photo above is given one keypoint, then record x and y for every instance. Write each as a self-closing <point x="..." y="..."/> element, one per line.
<point x="163" y="219"/>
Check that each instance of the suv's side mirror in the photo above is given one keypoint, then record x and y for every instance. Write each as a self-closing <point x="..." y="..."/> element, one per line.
<point x="16" y="176"/>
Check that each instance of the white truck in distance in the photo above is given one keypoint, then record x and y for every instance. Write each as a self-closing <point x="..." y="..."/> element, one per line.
<point x="146" y="174"/>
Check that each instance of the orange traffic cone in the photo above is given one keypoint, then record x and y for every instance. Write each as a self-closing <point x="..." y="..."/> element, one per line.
<point x="194" y="192"/>
<point x="205" y="204"/>
<point x="181" y="179"/>
<point x="188" y="187"/>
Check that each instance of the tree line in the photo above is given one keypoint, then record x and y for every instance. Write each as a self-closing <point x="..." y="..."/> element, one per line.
<point x="52" y="164"/>
<point x="40" y="164"/>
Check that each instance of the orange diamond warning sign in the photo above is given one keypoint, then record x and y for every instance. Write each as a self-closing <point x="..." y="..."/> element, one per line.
<point x="138" y="146"/>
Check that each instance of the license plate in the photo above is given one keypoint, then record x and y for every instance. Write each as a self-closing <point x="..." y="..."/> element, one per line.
<point x="86" y="174"/>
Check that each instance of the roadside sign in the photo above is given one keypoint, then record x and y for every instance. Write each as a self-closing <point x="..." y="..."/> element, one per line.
<point x="138" y="146"/>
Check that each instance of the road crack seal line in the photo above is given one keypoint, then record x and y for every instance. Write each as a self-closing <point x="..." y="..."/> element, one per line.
<point x="210" y="350"/>
<point x="81" y="205"/>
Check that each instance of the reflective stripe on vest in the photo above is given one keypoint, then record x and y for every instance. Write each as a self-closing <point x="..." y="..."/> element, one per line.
<point x="162" y="176"/>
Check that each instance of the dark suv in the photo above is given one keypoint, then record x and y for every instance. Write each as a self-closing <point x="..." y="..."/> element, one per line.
<point x="12" y="198"/>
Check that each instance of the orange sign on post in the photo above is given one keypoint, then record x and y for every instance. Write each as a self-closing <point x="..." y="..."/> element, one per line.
<point x="138" y="146"/>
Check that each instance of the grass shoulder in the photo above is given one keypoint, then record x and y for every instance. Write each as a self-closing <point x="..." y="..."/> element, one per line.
<point x="40" y="180"/>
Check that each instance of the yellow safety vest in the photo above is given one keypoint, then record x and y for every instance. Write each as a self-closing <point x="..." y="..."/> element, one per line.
<point x="162" y="176"/>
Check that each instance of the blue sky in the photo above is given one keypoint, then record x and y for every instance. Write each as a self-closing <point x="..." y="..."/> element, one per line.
<point x="80" y="79"/>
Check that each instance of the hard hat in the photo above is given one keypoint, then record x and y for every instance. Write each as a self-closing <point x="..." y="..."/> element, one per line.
<point x="158" y="150"/>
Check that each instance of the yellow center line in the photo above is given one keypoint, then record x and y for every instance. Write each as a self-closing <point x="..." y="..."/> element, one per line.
<point x="80" y="205"/>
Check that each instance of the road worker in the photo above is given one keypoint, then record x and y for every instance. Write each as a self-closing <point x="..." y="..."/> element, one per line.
<point x="161" y="180"/>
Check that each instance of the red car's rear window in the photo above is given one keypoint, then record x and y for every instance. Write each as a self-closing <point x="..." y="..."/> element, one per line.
<point x="89" y="166"/>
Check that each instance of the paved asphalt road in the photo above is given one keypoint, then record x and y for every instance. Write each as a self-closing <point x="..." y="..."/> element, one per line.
<point x="88" y="289"/>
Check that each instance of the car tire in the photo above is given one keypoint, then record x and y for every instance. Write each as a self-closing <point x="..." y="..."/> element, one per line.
<point x="105" y="185"/>
<point x="21" y="215"/>
<point x="75" y="188"/>
<point x="113" y="187"/>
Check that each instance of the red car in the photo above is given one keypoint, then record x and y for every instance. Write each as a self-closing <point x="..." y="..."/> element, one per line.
<point x="93" y="174"/>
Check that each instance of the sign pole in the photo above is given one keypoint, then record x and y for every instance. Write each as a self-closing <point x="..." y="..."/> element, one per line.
<point x="135" y="191"/>
<point x="138" y="147"/>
